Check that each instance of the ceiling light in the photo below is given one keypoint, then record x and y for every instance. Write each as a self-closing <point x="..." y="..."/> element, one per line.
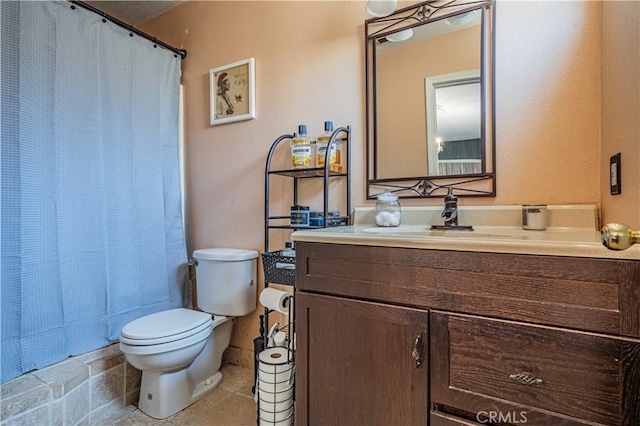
<point x="401" y="35"/>
<point x="381" y="8"/>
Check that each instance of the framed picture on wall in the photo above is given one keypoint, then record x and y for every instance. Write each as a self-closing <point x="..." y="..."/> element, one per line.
<point x="232" y="92"/>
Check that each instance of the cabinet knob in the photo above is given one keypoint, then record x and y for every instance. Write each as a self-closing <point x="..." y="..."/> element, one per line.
<point x="526" y="378"/>
<point x="416" y="353"/>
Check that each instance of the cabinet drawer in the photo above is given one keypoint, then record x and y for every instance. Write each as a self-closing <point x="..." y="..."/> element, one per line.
<point x="555" y="376"/>
<point x="598" y="295"/>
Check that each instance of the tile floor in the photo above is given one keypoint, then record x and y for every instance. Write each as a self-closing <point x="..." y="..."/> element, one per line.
<point x="231" y="404"/>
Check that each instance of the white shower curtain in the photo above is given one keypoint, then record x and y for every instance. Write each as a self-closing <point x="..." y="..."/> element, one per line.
<point x="90" y="194"/>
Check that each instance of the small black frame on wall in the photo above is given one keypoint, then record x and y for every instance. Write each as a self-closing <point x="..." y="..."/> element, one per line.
<point x="615" y="174"/>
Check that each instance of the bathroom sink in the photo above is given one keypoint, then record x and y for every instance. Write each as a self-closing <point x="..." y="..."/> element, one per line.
<point x="426" y="231"/>
<point x="570" y="232"/>
<point x="481" y="232"/>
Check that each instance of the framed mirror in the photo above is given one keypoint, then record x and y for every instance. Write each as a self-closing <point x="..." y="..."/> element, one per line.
<point x="431" y="100"/>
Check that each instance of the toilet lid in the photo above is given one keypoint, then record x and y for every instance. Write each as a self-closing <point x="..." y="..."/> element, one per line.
<point x="166" y="326"/>
<point x="207" y="326"/>
<point x="225" y="254"/>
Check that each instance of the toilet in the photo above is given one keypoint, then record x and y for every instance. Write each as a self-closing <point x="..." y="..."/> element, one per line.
<point x="179" y="351"/>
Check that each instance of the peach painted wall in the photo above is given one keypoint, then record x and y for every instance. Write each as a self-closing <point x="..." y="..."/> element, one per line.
<point x="309" y="60"/>
<point x="548" y="102"/>
<point x="621" y="108"/>
<point x="310" y="68"/>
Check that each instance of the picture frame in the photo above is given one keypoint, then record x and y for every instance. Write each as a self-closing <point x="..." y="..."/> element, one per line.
<point x="232" y="92"/>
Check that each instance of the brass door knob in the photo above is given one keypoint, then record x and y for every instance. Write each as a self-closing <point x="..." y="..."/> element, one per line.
<point x="616" y="236"/>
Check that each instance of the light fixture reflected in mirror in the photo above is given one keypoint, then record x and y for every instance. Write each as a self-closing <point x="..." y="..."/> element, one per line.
<point x="460" y="20"/>
<point x="401" y="35"/>
<point x="381" y="8"/>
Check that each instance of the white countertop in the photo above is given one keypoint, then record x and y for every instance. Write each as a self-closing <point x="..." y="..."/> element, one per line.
<point x="556" y="241"/>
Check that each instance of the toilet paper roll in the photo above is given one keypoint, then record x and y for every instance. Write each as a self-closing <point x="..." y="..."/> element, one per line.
<point x="275" y="370"/>
<point x="275" y="299"/>
<point x="278" y="357"/>
<point x="270" y="377"/>
<point x="273" y="414"/>
<point x="275" y="394"/>
<point x="287" y="422"/>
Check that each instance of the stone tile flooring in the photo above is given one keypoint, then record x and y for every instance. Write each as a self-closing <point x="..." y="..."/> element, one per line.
<point x="231" y="404"/>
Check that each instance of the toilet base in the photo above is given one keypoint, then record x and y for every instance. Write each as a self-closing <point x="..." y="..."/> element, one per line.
<point x="164" y="394"/>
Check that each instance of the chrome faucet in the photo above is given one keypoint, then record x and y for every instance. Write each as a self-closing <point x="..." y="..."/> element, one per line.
<point x="450" y="214"/>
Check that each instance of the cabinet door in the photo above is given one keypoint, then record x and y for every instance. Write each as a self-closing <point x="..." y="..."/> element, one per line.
<point x="360" y="363"/>
<point x="518" y="373"/>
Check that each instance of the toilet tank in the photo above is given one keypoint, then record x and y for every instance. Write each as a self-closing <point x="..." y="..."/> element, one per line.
<point x="226" y="281"/>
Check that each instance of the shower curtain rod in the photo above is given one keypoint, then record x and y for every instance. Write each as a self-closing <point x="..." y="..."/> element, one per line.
<point x="181" y="52"/>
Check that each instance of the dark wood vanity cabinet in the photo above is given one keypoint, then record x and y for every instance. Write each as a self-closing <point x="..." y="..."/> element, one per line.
<point x="519" y="373"/>
<point x="501" y="338"/>
<point x="363" y="363"/>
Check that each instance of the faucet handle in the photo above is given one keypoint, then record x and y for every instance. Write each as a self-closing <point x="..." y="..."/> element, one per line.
<point x="616" y="236"/>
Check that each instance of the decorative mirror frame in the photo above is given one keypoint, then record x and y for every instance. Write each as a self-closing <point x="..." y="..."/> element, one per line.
<point x="465" y="185"/>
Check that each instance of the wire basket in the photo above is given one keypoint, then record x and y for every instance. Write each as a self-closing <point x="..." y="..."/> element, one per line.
<point x="278" y="268"/>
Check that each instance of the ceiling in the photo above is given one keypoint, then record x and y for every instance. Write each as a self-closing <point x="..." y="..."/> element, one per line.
<point x="134" y="12"/>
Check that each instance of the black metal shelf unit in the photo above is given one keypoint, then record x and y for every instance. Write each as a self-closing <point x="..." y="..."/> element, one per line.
<point x="342" y="134"/>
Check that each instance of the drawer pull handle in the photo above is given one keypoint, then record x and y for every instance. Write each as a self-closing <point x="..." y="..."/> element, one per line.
<point x="416" y="353"/>
<point x="526" y="378"/>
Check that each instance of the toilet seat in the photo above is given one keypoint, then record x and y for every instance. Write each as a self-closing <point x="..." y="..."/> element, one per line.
<point x="168" y="346"/>
<point x="165" y="327"/>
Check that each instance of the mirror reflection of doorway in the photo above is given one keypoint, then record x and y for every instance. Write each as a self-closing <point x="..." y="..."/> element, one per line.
<point x="454" y="134"/>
